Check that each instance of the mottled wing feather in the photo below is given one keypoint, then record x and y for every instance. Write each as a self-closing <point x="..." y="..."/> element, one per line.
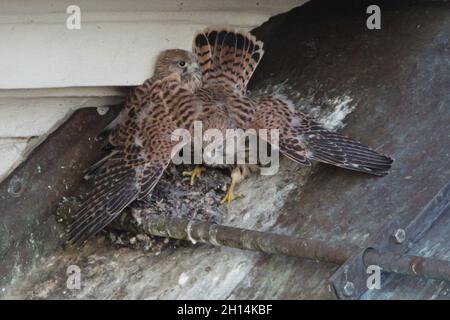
<point x="138" y="97"/>
<point x="127" y="174"/>
<point x="117" y="183"/>
<point x="302" y="139"/>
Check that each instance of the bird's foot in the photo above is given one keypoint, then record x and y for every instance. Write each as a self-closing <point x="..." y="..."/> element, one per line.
<point x="194" y="174"/>
<point x="230" y="195"/>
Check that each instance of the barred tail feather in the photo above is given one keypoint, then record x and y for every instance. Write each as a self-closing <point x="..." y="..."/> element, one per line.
<point x="339" y="150"/>
<point x="227" y="57"/>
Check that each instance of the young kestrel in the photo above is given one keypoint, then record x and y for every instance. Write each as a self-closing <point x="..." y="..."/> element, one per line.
<point x="208" y="86"/>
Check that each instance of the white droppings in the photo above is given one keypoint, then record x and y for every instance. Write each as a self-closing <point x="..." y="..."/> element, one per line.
<point x="339" y="106"/>
<point x="342" y="108"/>
<point x="183" y="279"/>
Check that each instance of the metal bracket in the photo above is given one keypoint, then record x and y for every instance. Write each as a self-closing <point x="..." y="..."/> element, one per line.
<point x="350" y="280"/>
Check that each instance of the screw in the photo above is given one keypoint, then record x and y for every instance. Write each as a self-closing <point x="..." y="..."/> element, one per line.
<point x="15" y="187"/>
<point x="400" y="235"/>
<point x="349" y="289"/>
<point x="102" y="110"/>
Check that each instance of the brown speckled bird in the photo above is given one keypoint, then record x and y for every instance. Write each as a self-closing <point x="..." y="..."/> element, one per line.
<point x="215" y="93"/>
<point x="169" y="62"/>
<point x="141" y="147"/>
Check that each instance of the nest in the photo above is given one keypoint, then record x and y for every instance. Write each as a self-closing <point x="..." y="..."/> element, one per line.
<point x="172" y="196"/>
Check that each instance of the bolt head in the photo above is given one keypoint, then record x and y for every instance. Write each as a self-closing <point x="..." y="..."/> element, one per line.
<point x="400" y="235"/>
<point x="349" y="288"/>
<point x="16" y="186"/>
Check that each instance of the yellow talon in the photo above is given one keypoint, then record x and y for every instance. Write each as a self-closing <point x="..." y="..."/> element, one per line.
<point x="230" y="195"/>
<point x="194" y="174"/>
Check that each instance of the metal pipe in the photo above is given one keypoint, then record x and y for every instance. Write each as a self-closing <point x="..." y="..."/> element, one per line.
<point x="220" y="235"/>
<point x="338" y="253"/>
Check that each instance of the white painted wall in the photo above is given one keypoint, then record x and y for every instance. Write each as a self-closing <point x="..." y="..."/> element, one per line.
<point x="48" y="70"/>
<point x="118" y="40"/>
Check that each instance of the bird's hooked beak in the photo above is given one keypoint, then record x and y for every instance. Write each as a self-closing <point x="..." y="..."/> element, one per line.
<point x="193" y="67"/>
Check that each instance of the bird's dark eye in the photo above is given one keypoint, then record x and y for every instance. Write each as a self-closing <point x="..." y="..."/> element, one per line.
<point x="181" y="63"/>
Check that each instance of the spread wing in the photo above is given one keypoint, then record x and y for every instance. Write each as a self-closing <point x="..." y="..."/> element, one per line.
<point x="128" y="173"/>
<point x="302" y="139"/>
<point x="227" y="58"/>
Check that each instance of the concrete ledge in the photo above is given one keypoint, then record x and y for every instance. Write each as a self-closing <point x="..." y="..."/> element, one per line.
<point x="28" y="116"/>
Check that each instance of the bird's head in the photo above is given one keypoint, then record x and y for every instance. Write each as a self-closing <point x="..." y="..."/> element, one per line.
<point x="181" y="62"/>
